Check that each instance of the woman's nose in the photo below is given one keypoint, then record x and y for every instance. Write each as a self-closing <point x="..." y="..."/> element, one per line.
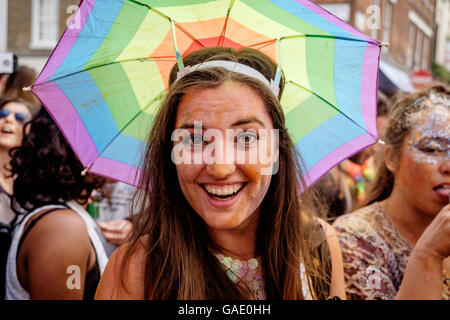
<point x="220" y="171"/>
<point x="444" y="168"/>
<point x="10" y="117"/>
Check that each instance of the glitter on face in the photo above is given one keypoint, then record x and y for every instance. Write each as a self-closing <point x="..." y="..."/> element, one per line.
<point x="430" y="137"/>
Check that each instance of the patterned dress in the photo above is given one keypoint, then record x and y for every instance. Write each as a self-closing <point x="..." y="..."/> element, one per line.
<point x="374" y="254"/>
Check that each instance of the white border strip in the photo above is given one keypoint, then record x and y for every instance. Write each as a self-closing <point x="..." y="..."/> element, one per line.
<point x="3" y="25"/>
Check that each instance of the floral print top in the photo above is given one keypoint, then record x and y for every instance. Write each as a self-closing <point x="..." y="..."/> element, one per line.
<point x="374" y="254"/>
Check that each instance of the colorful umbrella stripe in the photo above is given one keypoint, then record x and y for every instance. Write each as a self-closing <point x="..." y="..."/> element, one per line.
<point x="103" y="82"/>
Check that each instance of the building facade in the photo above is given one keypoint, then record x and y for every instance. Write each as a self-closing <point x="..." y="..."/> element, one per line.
<point x="408" y="25"/>
<point x="32" y="28"/>
<point x="442" y="53"/>
<point x="418" y="30"/>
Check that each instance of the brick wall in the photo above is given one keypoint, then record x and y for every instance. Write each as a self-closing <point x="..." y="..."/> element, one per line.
<point x="399" y="32"/>
<point x="399" y="35"/>
<point x="19" y="25"/>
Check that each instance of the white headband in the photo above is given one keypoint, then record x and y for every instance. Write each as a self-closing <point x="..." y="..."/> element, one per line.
<point x="234" y="67"/>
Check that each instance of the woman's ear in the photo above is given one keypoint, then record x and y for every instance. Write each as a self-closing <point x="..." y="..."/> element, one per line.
<point x="390" y="160"/>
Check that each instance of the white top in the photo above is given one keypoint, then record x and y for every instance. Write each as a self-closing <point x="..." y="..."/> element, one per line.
<point x="305" y="287"/>
<point x="14" y="290"/>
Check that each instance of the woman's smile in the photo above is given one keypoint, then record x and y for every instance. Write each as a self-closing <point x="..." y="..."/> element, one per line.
<point x="226" y="194"/>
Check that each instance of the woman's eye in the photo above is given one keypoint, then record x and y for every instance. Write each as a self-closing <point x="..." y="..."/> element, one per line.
<point x="193" y="139"/>
<point x="247" y="138"/>
<point x="431" y="148"/>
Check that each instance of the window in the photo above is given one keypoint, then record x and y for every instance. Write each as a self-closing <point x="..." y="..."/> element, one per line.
<point x="375" y="26"/>
<point x="44" y="24"/>
<point x="412" y="37"/>
<point x="419" y="41"/>
<point x="387" y="23"/>
<point x="426" y="53"/>
<point x="340" y="10"/>
<point x="360" y="21"/>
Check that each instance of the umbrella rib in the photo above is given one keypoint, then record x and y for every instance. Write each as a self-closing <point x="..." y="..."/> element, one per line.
<point x="162" y="58"/>
<point x="169" y="19"/>
<point x="268" y="42"/>
<point x="150" y="8"/>
<point x="224" y="29"/>
<point x="331" y="105"/>
<point x="125" y="126"/>
<point x="376" y="42"/>
<point x="189" y="35"/>
<point x="262" y="44"/>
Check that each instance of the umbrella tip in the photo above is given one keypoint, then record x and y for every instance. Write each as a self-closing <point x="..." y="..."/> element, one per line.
<point x="381" y="142"/>
<point x="26" y="89"/>
<point x="83" y="173"/>
<point x="385" y="44"/>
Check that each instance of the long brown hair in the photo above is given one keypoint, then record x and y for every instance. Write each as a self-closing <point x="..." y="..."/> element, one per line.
<point x="179" y="263"/>
<point x="399" y="126"/>
<point x="23" y="77"/>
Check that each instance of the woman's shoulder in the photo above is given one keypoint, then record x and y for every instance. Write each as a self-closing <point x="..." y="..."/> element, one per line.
<point x="61" y="231"/>
<point x="57" y="223"/>
<point x="362" y="220"/>
<point x="337" y="286"/>
<point x="123" y="277"/>
<point x="363" y="230"/>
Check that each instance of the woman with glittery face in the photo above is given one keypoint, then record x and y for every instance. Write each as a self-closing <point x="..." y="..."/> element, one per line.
<point x="398" y="244"/>
<point x="220" y="228"/>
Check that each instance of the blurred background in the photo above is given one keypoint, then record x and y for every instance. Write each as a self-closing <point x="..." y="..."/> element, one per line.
<point x="418" y="31"/>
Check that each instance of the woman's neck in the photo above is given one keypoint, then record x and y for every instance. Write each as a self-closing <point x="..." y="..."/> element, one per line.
<point x="239" y="243"/>
<point x="408" y="220"/>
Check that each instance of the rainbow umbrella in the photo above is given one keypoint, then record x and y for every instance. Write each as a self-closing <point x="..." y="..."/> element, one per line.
<point x="104" y="80"/>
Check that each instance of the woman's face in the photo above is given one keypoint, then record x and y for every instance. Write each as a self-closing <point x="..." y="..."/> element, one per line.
<point x="223" y="188"/>
<point x="14" y="115"/>
<point x="424" y="171"/>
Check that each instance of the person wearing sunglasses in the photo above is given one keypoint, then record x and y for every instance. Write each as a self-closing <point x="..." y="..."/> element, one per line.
<point x="14" y="113"/>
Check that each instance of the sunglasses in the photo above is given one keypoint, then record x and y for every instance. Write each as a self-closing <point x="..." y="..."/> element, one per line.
<point x="20" y="117"/>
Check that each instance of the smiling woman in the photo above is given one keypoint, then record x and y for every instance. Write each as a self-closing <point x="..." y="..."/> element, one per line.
<point x="219" y="221"/>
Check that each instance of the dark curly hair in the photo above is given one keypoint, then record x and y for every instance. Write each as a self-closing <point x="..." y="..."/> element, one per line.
<point x="46" y="169"/>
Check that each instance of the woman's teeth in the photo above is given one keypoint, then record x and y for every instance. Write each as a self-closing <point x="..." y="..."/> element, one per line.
<point x="223" y="191"/>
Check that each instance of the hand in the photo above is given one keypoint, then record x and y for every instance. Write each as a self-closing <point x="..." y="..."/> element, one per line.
<point x="435" y="240"/>
<point x="423" y="274"/>
<point x="115" y="232"/>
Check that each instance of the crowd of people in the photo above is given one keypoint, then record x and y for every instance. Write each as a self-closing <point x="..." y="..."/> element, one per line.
<point x="377" y="226"/>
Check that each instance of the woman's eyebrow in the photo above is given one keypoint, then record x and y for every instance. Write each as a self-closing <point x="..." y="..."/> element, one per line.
<point x="189" y="125"/>
<point x="248" y="120"/>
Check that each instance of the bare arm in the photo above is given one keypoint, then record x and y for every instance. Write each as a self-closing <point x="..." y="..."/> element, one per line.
<point x="423" y="274"/>
<point x="55" y="257"/>
<point x="115" y="232"/>
<point x="111" y="286"/>
<point x="337" y="287"/>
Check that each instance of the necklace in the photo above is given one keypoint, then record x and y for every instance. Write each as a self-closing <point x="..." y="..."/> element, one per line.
<point x="248" y="273"/>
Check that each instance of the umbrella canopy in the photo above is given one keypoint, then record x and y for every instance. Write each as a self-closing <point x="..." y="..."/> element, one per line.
<point x="104" y="80"/>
